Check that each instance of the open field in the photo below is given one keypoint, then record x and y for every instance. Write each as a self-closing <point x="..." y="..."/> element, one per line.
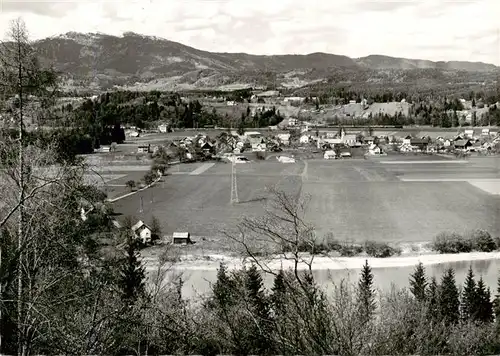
<point x="354" y="200"/>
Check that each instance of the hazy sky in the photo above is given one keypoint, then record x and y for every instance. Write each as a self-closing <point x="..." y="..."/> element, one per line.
<point x="426" y="29"/>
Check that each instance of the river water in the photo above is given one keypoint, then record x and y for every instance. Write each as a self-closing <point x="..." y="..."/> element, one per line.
<point x="197" y="282"/>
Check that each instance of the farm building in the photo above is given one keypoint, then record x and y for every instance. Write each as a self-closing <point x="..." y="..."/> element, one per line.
<point x="284" y="138"/>
<point x="462" y="144"/>
<point x="350" y="140"/>
<point x="329" y="155"/>
<point x="181" y="238"/>
<point x="142" y="232"/>
<point x="144" y="149"/>
<point x="419" y="143"/>
<point x="208" y="147"/>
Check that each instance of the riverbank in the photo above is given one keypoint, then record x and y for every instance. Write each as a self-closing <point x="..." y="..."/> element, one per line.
<point x="212" y="262"/>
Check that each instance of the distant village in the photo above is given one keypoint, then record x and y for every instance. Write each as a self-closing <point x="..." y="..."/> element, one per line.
<point x="293" y="134"/>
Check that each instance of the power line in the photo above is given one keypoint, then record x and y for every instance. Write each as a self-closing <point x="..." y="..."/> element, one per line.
<point x="234" y="185"/>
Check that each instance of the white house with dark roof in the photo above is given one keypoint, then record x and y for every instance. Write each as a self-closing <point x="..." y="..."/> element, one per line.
<point x="142" y="232"/>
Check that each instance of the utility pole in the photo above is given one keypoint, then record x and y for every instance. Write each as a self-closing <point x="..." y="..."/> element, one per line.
<point x="234" y="185"/>
<point x="141" y="205"/>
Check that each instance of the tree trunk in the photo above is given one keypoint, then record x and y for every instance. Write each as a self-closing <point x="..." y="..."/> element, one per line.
<point x="20" y="227"/>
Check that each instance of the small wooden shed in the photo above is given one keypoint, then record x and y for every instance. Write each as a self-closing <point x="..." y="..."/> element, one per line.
<point x="181" y="238"/>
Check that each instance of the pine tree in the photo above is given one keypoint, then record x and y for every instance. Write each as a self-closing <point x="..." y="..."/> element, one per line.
<point x="255" y="289"/>
<point x="278" y="293"/>
<point x="469" y="297"/>
<point x="432" y="297"/>
<point x="496" y="305"/>
<point x="258" y="303"/>
<point x="418" y="283"/>
<point x="484" y="306"/>
<point x="133" y="277"/>
<point x="365" y="293"/>
<point x="223" y="288"/>
<point x="448" y="300"/>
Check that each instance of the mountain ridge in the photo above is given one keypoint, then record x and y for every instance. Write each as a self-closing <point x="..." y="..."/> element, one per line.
<point x="108" y="60"/>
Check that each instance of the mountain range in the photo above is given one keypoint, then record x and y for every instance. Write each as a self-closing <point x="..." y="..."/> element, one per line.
<point x="101" y="61"/>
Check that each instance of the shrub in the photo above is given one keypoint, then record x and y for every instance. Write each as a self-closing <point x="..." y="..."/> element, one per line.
<point x="380" y="249"/>
<point x="446" y="242"/>
<point x="482" y="241"/>
<point x="149" y="177"/>
<point x="130" y="184"/>
<point x="497" y="242"/>
<point x="350" y="250"/>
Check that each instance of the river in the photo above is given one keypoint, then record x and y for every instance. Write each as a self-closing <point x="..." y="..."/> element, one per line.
<point x="197" y="282"/>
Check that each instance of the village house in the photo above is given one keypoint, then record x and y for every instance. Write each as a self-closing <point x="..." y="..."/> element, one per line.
<point x="144" y="149"/>
<point x="142" y="232"/>
<point x="374" y="149"/>
<point x="351" y="140"/>
<point x="462" y="144"/>
<point x="163" y="128"/>
<point x="284" y="138"/>
<point x="469" y="133"/>
<point x="305" y="139"/>
<point x="369" y="140"/>
<point x="419" y="143"/>
<point x="329" y="155"/>
<point x="208" y="147"/>
<point x="294" y="100"/>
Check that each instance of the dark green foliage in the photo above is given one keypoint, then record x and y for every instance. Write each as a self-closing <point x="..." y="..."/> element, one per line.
<point x="133" y="277"/>
<point x="278" y="294"/>
<point x="451" y="243"/>
<point x="366" y="293"/>
<point x="469" y="297"/>
<point x="484" y="308"/>
<point x="448" y="299"/>
<point x="496" y="306"/>
<point x="418" y="283"/>
<point x="156" y="229"/>
<point x="259" y="306"/>
<point x="380" y="249"/>
<point x="223" y="289"/>
<point x="477" y="240"/>
<point x="482" y="241"/>
<point x="149" y="177"/>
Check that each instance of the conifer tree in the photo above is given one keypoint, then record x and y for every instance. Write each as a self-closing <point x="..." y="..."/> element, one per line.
<point x="496" y="305"/>
<point x="223" y="288"/>
<point x="258" y="303"/>
<point x="133" y="277"/>
<point x="418" y="283"/>
<point x="432" y="296"/>
<point x="366" y="293"/>
<point x="469" y="297"/>
<point x="278" y="293"/>
<point x="484" y="306"/>
<point x="255" y="288"/>
<point x="448" y="300"/>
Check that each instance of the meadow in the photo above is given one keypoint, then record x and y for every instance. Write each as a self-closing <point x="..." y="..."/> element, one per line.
<point x="389" y="200"/>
